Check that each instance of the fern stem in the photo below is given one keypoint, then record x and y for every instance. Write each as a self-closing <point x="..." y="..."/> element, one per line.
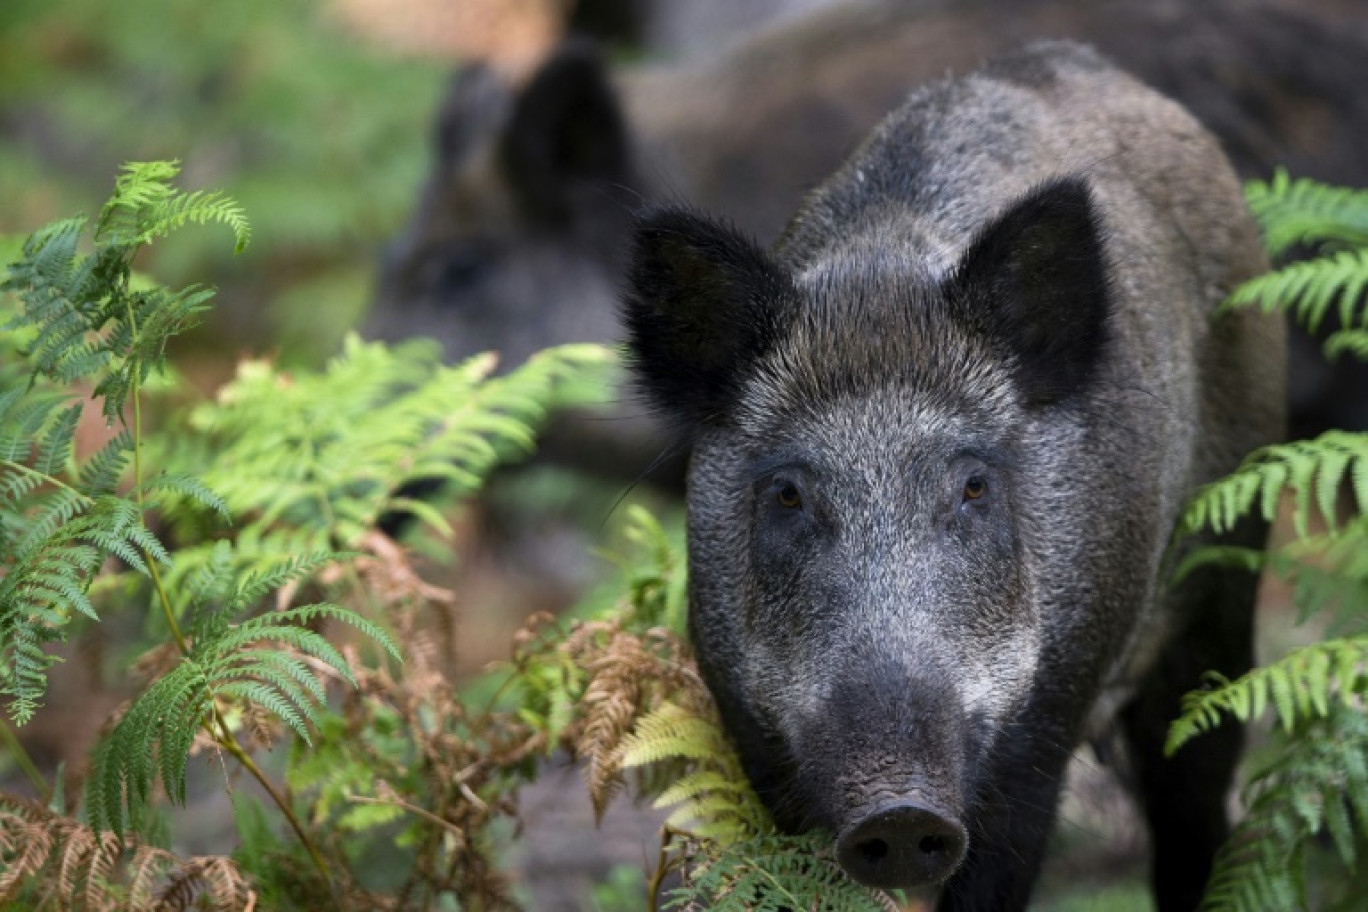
<point x="224" y="738"/>
<point x="663" y="866"/>
<point x="25" y="762"/>
<point x="44" y="477"/>
<point x="412" y="809"/>
<point x="134" y="396"/>
<point x="165" y="601"/>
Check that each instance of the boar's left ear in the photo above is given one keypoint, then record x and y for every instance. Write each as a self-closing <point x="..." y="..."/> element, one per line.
<point x="702" y="303"/>
<point x="566" y="139"/>
<point x="1034" y="281"/>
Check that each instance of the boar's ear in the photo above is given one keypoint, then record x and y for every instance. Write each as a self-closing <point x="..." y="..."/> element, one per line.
<point x="566" y="136"/>
<point x="702" y="303"/>
<point x="1034" y="281"/>
<point x="470" y="112"/>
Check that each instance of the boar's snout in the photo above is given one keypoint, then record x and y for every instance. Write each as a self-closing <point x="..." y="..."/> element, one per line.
<point x="901" y="845"/>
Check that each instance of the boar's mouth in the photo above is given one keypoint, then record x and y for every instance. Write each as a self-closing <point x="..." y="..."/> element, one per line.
<point x="891" y="794"/>
<point x="894" y="829"/>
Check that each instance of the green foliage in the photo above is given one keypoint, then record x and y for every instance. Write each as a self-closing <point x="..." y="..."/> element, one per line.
<point x="319" y="132"/>
<point x="1309" y="289"/>
<point x="1312" y="471"/>
<point x="329" y="452"/>
<point x="1309" y="787"/>
<point x="1311" y="782"/>
<point x="145" y="207"/>
<point x="729" y="854"/>
<point x="304" y="462"/>
<point x="714" y="800"/>
<point x="1299" y="686"/>
<point x="82" y="325"/>
<point x="772" y="874"/>
<point x="1306" y="213"/>
<point x="88" y="322"/>
<point x="1333" y="221"/>
<point x="85" y="324"/>
<point x="229" y="662"/>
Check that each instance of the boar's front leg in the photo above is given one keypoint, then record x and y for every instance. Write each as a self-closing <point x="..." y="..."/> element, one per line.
<point x="1184" y="796"/>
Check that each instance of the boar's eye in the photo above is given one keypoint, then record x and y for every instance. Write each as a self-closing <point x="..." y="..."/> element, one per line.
<point x="975" y="488"/>
<point x="459" y="270"/>
<point x="787" y="495"/>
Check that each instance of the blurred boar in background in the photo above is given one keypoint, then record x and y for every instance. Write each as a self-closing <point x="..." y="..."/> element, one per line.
<point x="519" y="236"/>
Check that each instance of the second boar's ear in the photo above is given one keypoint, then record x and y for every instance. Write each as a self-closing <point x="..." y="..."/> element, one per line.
<point x="1034" y="281"/>
<point x="470" y="112"/>
<point x="702" y="303"/>
<point x="566" y="137"/>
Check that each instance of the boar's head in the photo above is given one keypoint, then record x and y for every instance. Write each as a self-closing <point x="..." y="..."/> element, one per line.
<point x="515" y="243"/>
<point x="871" y="486"/>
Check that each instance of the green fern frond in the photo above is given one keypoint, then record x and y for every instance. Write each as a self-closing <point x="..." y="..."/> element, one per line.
<point x="145" y="207"/>
<point x="27" y="415"/>
<point x="308" y="613"/>
<point x="330" y="452"/>
<point x="1309" y="289"/>
<point x="259" y="583"/>
<point x="775" y="873"/>
<point x="1309" y="469"/>
<point x="1299" y="686"/>
<point x="54" y="447"/>
<point x="1305" y="212"/>
<point x="49" y="566"/>
<point x="1347" y="341"/>
<point x="125" y="762"/>
<point x="84" y="317"/>
<point x="226" y="662"/>
<point x="672" y="732"/>
<point x="714" y="797"/>
<point x="102" y="471"/>
<point x="186" y="486"/>
<point x="1301" y="790"/>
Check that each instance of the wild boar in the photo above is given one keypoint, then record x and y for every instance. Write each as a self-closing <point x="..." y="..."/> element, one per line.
<point x="940" y="435"/>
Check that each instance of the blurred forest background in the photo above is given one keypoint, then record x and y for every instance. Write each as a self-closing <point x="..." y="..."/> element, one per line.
<point x="317" y="116"/>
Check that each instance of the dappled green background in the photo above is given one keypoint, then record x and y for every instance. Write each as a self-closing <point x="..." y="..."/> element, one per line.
<point x="320" y="137"/>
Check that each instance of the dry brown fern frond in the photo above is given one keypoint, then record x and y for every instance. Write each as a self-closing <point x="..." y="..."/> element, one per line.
<point x="392" y="577"/>
<point x="43" y="854"/>
<point x="609" y="706"/>
<point x="629" y="675"/>
<point x="205" y="875"/>
<point x="457" y="775"/>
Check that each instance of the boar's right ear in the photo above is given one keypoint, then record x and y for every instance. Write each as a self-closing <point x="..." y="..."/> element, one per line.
<point x="1034" y="282"/>
<point x="702" y="303"/>
<point x="566" y="137"/>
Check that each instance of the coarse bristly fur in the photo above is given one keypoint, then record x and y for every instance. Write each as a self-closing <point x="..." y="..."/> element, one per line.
<point x="940" y="435"/>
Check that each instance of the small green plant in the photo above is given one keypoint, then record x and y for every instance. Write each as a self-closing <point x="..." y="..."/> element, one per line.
<point x="306" y="465"/>
<point x="1311" y="783"/>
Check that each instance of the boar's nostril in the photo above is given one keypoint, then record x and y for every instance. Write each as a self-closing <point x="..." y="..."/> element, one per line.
<point x="873" y="850"/>
<point x="901" y="845"/>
